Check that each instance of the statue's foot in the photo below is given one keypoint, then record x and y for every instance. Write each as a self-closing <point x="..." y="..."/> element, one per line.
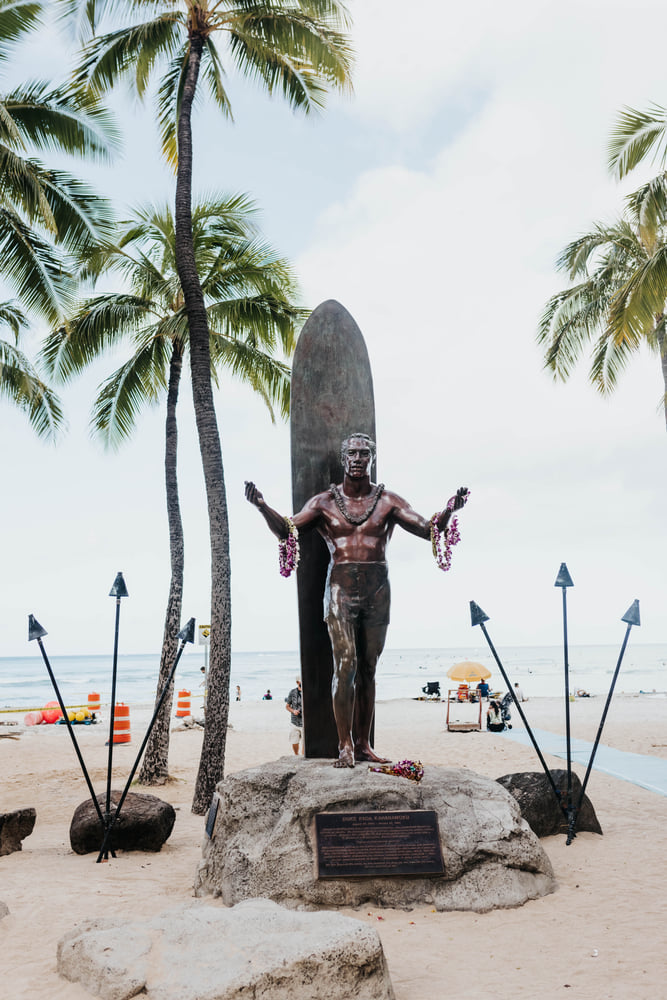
<point x="365" y="752"/>
<point x="345" y="758"/>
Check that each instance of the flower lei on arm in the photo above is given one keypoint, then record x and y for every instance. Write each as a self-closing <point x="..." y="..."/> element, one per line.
<point x="412" y="769"/>
<point x="450" y="535"/>
<point x="288" y="549"/>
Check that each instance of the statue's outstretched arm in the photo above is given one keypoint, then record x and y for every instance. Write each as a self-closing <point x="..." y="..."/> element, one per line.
<point x="275" y="521"/>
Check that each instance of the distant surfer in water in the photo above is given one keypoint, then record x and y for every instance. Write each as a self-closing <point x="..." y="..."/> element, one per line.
<point x="356" y="520"/>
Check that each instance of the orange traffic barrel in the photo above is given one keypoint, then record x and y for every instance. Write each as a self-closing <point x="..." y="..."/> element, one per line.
<point x="94" y="702"/>
<point x="183" y="705"/>
<point x="121" y="723"/>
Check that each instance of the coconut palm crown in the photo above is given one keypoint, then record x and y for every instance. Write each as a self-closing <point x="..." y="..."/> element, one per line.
<point x="46" y="215"/>
<point x="619" y="297"/>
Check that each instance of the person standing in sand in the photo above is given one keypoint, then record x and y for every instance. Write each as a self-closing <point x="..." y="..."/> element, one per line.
<point x="294" y="705"/>
<point x="356" y="519"/>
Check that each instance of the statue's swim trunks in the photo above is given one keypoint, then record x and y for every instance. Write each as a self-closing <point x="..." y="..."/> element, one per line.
<point x="357" y="593"/>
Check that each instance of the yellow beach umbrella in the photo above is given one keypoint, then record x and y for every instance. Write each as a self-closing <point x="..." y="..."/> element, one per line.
<point x="468" y="671"/>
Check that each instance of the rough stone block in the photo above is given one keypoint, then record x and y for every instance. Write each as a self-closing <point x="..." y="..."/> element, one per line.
<point x="538" y="803"/>
<point x="14" y="827"/>
<point x="263" y="841"/>
<point x="256" y="949"/>
<point x="145" y="823"/>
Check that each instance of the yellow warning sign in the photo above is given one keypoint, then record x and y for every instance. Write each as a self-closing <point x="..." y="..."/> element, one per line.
<point x="204" y="632"/>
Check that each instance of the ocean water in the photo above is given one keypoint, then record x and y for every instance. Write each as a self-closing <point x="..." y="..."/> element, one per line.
<point x="402" y="673"/>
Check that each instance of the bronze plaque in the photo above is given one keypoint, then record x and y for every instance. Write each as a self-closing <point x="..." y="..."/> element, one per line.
<point x="378" y="844"/>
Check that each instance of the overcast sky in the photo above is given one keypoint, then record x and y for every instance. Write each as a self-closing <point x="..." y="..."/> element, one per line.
<point x="432" y="204"/>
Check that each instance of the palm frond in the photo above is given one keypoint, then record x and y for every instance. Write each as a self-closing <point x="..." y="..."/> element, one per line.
<point x="118" y="54"/>
<point x="256" y="368"/>
<point x="21" y="187"/>
<point x="648" y="208"/>
<point x="22" y="386"/>
<point x="17" y="18"/>
<point x="291" y="52"/>
<point x="99" y="325"/>
<point x="33" y="268"/>
<point x="137" y="383"/>
<point x="634" y="136"/>
<point x="214" y="73"/>
<point x="639" y="303"/>
<point x="65" y="119"/>
<point x="168" y="103"/>
<point x="14" y="318"/>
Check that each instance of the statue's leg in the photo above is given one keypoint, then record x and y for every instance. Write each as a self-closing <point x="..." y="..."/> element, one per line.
<point x="370" y="643"/>
<point x="343" y="646"/>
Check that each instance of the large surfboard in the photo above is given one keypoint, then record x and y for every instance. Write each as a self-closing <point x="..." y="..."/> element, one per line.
<point x="331" y="398"/>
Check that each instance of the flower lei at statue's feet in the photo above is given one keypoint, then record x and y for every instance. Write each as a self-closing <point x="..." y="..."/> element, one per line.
<point x="288" y="549"/>
<point x="451" y="535"/>
<point x="411" y="769"/>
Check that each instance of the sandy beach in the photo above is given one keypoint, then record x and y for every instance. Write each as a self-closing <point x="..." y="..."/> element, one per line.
<point x="599" y="936"/>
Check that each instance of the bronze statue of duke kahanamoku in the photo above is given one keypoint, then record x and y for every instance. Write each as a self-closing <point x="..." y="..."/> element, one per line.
<point x="356" y="519"/>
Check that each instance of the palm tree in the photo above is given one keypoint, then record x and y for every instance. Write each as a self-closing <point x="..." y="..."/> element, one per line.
<point x="20" y="382"/>
<point x="619" y="299"/>
<point x="293" y="46"/>
<point x="248" y="290"/>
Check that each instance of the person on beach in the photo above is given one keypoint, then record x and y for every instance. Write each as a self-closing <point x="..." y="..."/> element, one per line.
<point x="294" y="705"/>
<point x="483" y="689"/>
<point x="494" y="718"/>
<point x="356" y="518"/>
<point x="519" y="693"/>
<point x="238" y="692"/>
<point x="268" y="696"/>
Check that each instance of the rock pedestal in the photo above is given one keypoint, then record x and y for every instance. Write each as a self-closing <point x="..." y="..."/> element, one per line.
<point x="263" y="840"/>
<point x="257" y="949"/>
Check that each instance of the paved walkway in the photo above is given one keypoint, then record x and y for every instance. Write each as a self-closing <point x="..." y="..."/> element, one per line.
<point x="647" y="772"/>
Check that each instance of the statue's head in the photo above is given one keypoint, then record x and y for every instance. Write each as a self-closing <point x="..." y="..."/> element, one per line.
<point x="357" y="453"/>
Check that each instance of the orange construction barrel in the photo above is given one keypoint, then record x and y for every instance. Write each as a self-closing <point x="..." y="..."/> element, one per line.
<point x="183" y="705"/>
<point x="94" y="702"/>
<point x="121" y="723"/>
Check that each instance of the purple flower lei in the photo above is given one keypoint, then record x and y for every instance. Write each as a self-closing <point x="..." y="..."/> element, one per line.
<point x="451" y="536"/>
<point x="288" y="549"/>
<point x="411" y="769"/>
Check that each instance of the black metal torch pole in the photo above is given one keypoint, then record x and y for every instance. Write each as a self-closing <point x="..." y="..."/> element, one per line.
<point x="631" y="617"/>
<point x="186" y="635"/>
<point x="35" y="631"/>
<point x="564" y="580"/>
<point x="478" y="617"/>
<point x="118" y="590"/>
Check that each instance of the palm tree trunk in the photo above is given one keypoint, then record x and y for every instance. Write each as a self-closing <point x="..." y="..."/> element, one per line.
<point x="155" y="765"/>
<point x="211" y="764"/>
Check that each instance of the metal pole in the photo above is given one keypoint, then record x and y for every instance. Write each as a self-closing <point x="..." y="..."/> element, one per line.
<point x="632" y="618"/>
<point x="568" y="741"/>
<point x="564" y="580"/>
<point x="118" y="590"/>
<point x="186" y="635"/>
<point x="478" y="618"/>
<point x="36" y="632"/>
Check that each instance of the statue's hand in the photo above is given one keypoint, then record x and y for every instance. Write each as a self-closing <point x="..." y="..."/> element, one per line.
<point x="461" y="498"/>
<point x="253" y="495"/>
